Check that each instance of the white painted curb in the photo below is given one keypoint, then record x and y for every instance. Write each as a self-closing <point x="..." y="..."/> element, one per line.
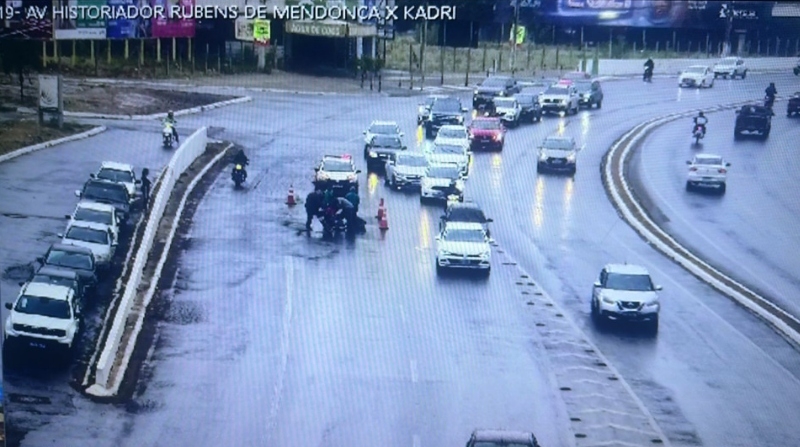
<point x="101" y="391"/>
<point x="51" y="143"/>
<point x="692" y="263"/>
<point x="155" y="116"/>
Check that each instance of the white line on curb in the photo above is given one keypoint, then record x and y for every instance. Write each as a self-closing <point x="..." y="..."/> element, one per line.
<point x="97" y="389"/>
<point x="51" y="143"/>
<point x="155" y="116"/>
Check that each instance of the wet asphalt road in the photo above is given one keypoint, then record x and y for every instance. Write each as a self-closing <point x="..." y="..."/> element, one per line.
<point x="272" y="336"/>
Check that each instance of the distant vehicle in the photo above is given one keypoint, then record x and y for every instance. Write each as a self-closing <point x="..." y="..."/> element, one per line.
<point x="625" y="292"/>
<point x="462" y="245"/>
<point x="492" y="87"/>
<point x="406" y="169"/>
<point x="590" y="93"/>
<point x="698" y="76"/>
<point x="530" y="109"/>
<point x="707" y="171"/>
<point x="440" y="181"/>
<point x="793" y="107"/>
<point x="502" y="438"/>
<point x="468" y="212"/>
<point x="753" y="119"/>
<point x="119" y="173"/>
<point x="43" y="317"/>
<point x="537" y="86"/>
<point x="336" y="172"/>
<point x="444" y="111"/>
<point x="508" y="110"/>
<point x="453" y="134"/>
<point x="380" y="128"/>
<point x="381" y="149"/>
<point x="77" y="259"/>
<point x="487" y="133"/>
<point x="560" y="98"/>
<point x="110" y="193"/>
<point x="576" y="75"/>
<point x="93" y="212"/>
<point x="558" y="154"/>
<point x="96" y="237"/>
<point x="450" y="153"/>
<point x="424" y="108"/>
<point x="730" y="66"/>
<point x="796" y="69"/>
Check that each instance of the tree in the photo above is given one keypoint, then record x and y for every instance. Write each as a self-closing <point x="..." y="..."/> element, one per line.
<point x="20" y="57"/>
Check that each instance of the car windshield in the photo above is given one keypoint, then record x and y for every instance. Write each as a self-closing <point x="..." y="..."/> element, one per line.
<point x="430" y="100"/>
<point x="452" y="133"/>
<point x="55" y="280"/>
<point x="104" y="192"/>
<point x="558" y="144"/>
<point x="386" y="141"/>
<point x="557" y="91"/>
<point x="337" y="166"/>
<point x="504" y="102"/>
<point x="73" y="260"/>
<point x="695" y="69"/>
<point x="462" y="235"/>
<point x="728" y="61"/>
<point x="583" y="85"/>
<point x="618" y="281"/>
<point x="525" y="98"/>
<point x="448" y="149"/>
<point x="413" y="161"/>
<point x="444" y="172"/>
<point x="446" y="106"/>
<point x="487" y="124"/>
<point x="708" y="161"/>
<point x="115" y="175"/>
<point x="494" y="82"/>
<point x="46" y="307"/>
<point x="91" y="235"/>
<point x="385" y="129"/>
<point x="473" y="215"/>
<point x="90" y="215"/>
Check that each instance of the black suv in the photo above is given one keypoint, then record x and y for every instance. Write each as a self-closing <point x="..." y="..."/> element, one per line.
<point x="793" y="106"/>
<point x="104" y="191"/>
<point x="529" y="103"/>
<point x="754" y="119"/>
<point x="491" y="87"/>
<point x="590" y="94"/>
<point x="78" y="259"/>
<point x="498" y="438"/>
<point x="381" y="149"/>
<point x="444" y="111"/>
<point x="468" y="212"/>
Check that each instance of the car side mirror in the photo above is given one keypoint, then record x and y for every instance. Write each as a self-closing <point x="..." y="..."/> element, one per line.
<point x="114" y="244"/>
<point x="597" y="284"/>
<point x="77" y="193"/>
<point x="67" y="216"/>
<point x="489" y="220"/>
<point x="40" y="259"/>
<point x="92" y="176"/>
<point x="727" y="165"/>
<point x="358" y="171"/>
<point x="490" y="240"/>
<point x="404" y="148"/>
<point x="402" y="134"/>
<point x="658" y="288"/>
<point x="438" y="238"/>
<point x="61" y="235"/>
<point x="8" y="306"/>
<point x="364" y="132"/>
<point x="688" y="162"/>
<point x="464" y="110"/>
<point x="316" y="169"/>
<point x="21" y="283"/>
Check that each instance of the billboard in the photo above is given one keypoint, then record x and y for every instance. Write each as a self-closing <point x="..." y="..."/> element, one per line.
<point x="125" y="27"/>
<point x="88" y="25"/>
<point x="20" y="26"/>
<point x="173" y="26"/>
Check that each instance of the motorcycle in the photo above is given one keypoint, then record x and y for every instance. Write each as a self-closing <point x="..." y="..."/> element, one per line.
<point x="648" y="75"/>
<point x="332" y="221"/>
<point x="239" y="175"/>
<point x="698" y="133"/>
<point x="167" y="136"/>
<point x="769" y="101"/>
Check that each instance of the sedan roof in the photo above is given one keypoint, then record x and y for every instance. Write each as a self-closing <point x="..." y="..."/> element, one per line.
<point x="627" y="269"/>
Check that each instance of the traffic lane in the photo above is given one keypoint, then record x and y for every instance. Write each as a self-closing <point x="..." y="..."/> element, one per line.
<point x="759" y="197"/>
<point x="563" y="231"/>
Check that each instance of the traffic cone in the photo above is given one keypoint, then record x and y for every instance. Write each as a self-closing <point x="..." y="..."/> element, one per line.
<point x="383" y="223"/>
<point x="290" y="200"/>
<point x="381" y="210"/>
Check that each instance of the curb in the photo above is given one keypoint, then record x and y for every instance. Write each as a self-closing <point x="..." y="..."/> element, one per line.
<point x="97" y="390"/>
<point x="36" y="147"/>
<point x="155" y="116"/>
<point x="784" y="323"/>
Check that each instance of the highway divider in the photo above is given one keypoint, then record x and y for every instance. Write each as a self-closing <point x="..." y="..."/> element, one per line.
<point x="613" y="170"/>
<point x="110" y="366"/>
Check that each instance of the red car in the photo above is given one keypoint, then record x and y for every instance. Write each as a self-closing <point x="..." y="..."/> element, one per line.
<point x="487" y="132"/>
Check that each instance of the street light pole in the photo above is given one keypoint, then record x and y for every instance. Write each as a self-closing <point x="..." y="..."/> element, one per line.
<point x="726" y="50"/>
<point x="514" y="37"/>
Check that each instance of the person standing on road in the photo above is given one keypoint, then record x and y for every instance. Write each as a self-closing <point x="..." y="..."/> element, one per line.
<point x="352" y="197"/>
<point x="313" y="205"/>
<point x="145" y="188"/>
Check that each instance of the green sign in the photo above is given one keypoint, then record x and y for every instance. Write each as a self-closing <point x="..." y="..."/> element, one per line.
<point x="520" y="35"/>
<point x="261" y="31"/>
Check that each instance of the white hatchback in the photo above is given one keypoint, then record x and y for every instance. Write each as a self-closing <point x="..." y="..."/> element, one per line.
<point x="707" y="171"/>
<point x="698" y="76"/>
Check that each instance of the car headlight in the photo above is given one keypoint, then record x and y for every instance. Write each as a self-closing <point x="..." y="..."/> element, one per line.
<point x="475" y="92"/>
<point x="653" y="303"/>
<point x="542" y="155"/>
<point x="373" y="154"/>
<point x="501" y="94"/>
<point x="608" y="300"/>
<point x="571" y="157"/>
<point x="351" y="178"/>
<point x="498" y="137"/>
<point x="460" y="118"/>
<point x="323" y="176"/>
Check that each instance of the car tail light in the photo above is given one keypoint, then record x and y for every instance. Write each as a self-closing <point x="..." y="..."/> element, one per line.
<point x="693" y="169"/>
<point x="723" y="171"/>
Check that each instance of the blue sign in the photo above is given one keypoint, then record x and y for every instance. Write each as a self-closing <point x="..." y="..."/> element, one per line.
<point x="126" y="28"/>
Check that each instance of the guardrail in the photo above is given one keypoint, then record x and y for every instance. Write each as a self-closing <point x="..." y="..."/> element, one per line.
<point x="193" y="147"/>
<point x="616" y="67"/>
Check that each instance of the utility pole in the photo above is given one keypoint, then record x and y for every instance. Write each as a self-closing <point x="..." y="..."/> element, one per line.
<point x="514" y="37"/>
<point x="728" y="15"/>
<point x="422" y="48"/>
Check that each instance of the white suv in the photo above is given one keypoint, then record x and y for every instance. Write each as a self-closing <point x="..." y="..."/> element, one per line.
<point x="44" y="316"/>
<point x="463" y="245"/>
<point x="626" y="292"/>
<point x="730" y="66"/>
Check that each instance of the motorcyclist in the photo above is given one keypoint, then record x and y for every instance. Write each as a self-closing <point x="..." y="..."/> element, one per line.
<point x="649" y="66"/>
<point x="771" y="91"/>
<point x="700" y="120"/>
<point x="170" y="119"/>
<point x="240" y="158"/>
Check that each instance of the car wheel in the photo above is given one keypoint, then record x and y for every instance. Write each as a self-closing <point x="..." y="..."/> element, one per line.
<point x="600" y="104"/>
<point x="487" y="273"/>
<point x="722" y="189"/>
<point x="689" y="186"/>
<point x="439" y="268"/>
<point x="652" y="326"/>
<point x="539" y="168"/>
<point x="386" y="181"/>
<point x="737" y="135"/>
<point x="573" y="171"/>
<point x="744" y="74"/>
<point x="766" y="134"/>
<point x="711" y="85"/>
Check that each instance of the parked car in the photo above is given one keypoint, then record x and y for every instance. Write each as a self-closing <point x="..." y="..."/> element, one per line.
<point x="486" y="132"/>
<point x="462" y="245"/>
<point x="96" y="237"/>
<point x="529" y="105"/>
<point x="793" y="106"/>
<point x="59" y="277"/>
<point x="100" y="213"/>
<point x="753" y="119"/>
<point x="110" y="193"/>
<point x="730" y="66"/>
<point x="590" y="93"/>
<point x="492" y="87"/>
<point x="121" y="173"/>
<point x="43" y="317"/>
<point x="698" y="76"/>
<point x="707" y="171"/>
<point x="77" y="259"/>
<point x="625" y="292"/>
<point x="336" y="172"/>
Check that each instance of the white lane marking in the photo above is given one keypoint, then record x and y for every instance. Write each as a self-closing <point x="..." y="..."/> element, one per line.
<point x="287" y="326"/>
<point x="414" y="376"/>
<point x="415" y="441"/>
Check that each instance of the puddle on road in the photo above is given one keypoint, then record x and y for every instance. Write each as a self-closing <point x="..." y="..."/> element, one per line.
<point x="183" y="312"/>
<point x="18" y="272"/>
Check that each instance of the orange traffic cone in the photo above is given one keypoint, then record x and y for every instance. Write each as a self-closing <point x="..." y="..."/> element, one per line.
<point x="290" y="199"/>
<point x="383" y="224"/>
<point x="381" y="210"/>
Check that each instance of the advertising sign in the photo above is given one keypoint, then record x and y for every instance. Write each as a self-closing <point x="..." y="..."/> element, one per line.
<point x="517" y="37"/>
<point x="21" y="26"/>
<point x="86" y="25"/>
<point x="243" y="29"/>
<point x="261" y="31"/>
<point x="124" y="27"/>
<point x="173" y="26"/>
<point x="49" y="93"/>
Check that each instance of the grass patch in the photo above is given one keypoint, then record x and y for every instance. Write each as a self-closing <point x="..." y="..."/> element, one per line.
<point x="17" y="134"/>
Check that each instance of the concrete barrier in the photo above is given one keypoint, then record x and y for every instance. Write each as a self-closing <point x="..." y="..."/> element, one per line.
<point x="627" y="67"/>
<point x="192" y="147"/>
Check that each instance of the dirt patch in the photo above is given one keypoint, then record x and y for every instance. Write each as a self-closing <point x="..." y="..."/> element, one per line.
<point x="16" y="134"/>
<point x="111" y="99"/>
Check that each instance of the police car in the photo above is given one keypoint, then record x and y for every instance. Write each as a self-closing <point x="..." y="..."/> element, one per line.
<point x="336" y="172"/>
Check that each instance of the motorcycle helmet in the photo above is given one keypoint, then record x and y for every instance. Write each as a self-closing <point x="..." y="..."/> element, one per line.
<point x="170" y="115"/>
<point x="701" y="114"/>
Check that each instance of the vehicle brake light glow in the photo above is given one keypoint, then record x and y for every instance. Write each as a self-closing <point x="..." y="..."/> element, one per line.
<point x="693" y="169"/>
<point x="346" y="157"/>
<point x="723" y="171"/>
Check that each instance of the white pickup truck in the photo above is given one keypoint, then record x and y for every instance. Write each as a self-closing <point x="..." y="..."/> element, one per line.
<point x="707" y="171"/>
